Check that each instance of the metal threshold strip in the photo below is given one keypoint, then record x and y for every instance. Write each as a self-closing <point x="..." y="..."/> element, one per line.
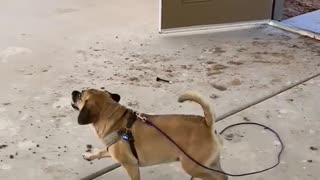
<point x="216" y="27"/>
<point x="243" y="25"/>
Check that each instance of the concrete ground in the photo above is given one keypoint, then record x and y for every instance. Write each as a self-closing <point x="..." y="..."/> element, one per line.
<point x="49" y="48"/>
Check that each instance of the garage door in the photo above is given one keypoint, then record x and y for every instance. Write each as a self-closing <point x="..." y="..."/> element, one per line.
<point x="184" y="13"/>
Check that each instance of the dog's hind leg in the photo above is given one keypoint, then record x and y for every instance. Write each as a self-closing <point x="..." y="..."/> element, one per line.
<point x="133" y="171"/>
<point x="217" y="165"/>
<point x="199" y="172"/>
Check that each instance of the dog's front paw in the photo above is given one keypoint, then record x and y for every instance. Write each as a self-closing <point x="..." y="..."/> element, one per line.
<point x="88" y="156"/>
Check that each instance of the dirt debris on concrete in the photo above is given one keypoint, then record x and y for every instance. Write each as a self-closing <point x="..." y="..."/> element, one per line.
<point x="214" y="96"/>
<point x="236" y="82"/>
<point x="298" y="7"/>
<point x="313" y="148"/>
<point x="2" y="146"/>
<point x="235" y="63"/>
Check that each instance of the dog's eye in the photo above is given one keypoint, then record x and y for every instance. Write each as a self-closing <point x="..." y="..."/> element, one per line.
<point x="80" y="95"/>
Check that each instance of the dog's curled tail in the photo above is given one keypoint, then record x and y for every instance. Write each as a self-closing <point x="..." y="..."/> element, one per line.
<point x="193" y="96"/>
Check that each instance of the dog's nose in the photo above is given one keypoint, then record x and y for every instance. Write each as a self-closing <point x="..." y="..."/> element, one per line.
<point x="75" y="93"/>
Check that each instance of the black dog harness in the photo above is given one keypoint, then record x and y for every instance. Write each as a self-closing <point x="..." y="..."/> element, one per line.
<point x="125" y="134"/>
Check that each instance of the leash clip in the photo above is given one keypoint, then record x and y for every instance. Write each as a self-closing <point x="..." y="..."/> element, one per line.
<point x="142" y="118"/>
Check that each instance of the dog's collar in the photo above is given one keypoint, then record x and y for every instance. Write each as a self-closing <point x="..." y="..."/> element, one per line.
<point x="112" y="138"/>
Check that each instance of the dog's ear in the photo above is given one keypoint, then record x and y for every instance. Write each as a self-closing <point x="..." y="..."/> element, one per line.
<point x="88" y="114"/>
<point x="115" y="97"/>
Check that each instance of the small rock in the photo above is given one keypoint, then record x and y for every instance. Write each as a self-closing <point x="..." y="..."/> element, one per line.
<point x="6" y="104"/>
<point x="89" y="146"/>
<point x="43" y="158"/>
<point x="11" y="156"/>
<point x="38" y="145"/>
<point x="310" y="161"/>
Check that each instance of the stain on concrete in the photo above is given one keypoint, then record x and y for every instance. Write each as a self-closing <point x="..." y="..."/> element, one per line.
<point x="236" y="82"/>
<point x="65" y="10"/>
<point x="235" y="63"/>
<point x="13" y="51"/>
<point x="5" y="166"/>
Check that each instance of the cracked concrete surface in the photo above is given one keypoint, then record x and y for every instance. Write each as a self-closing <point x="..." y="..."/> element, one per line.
<point x="49" y="48"/>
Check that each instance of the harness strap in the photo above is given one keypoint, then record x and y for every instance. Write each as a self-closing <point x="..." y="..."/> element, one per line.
<point x="128" y="133"/>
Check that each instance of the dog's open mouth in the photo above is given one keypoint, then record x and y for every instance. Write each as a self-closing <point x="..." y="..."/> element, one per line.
<point x="74" y="106"/>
